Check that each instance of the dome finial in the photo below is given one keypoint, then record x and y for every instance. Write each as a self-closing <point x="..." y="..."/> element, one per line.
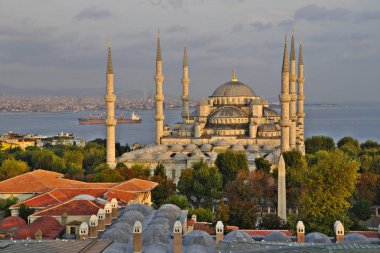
<point x="234" y="79"/>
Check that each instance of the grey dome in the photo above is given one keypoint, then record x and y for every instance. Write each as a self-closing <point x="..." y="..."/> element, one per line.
<point x="238" y="236"/>
<point x="196" y="249"/>
<point x="221" y="143"/>
<point x="234" y="89"/>
<point x="144" y="209"/>
<point x="206" y="147"/>
<point x="228" y="112"/>
<point x="156" y="248"/>
<point x="126" y="227"/>
<point x="131" y="216"/>
<point x="268" y="128"/>
<point x="198" y="237"/>
<point x="154" y="235"/>
<point x="180" y="156"/>
<point x="253" y="148"/>
<point x="163" y="156"/>
<point x="277" y="237"/>
<point x="117" y="247"/>
<point x="317" y="237"/>
<point x="116" y="234"/>
<point x="176" y="148"/>
<point x="169" y="211"/>
<point x="237" y="147"/>
<point x="190" y="147"/>
<point x="145" y="156"/>
<point x="269" y="112"/>
<point x="356" y="238"/>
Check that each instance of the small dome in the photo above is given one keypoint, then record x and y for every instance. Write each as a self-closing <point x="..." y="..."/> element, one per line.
<point x="253" y="148"/>
<point x="163" y="156"/>
<point x="238" y="236"/>
<point x="144" y="209"/>
<point x="206" y="147"/>
<point x="156" y="248"/>
<point x="237" y="147"/>
<point x="12" y="221"/>
<point x="84" y="196"/>
<point x="317" y="237"/>
<point x="190" y="147"/>
<point x="128" y="155"/>
<point x="277" y="237"/>
<point x="196" y="249"/>
<point x="356" y="238"/>
<point x="269" y="112"/>
<point x="131" y="216"/>
<point x="197" y="154"/>
<point x="152" y="235"/>
<point x="116" y="234"/>
<point x="126" y="227"/>
<point x="252" y="157"/>
<point x="228" y="112"/>
<point x="145" y="156"/>
<point x="268" y="128"/>
<point x="234" y="89"/>
<point x="180" y="156"/>
<point x="221" y="143"/>
<point x="198" y="237"/>
<point x="176" y="148"/>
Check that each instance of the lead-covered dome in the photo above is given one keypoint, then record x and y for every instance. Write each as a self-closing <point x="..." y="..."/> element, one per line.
<point x="234" y="89"/>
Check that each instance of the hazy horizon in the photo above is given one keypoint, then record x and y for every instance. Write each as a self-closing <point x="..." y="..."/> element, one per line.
<point x="48" y="44"/>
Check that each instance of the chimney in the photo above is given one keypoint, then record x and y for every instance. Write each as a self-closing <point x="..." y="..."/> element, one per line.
<point x="101" y="219"/>
<point x="194" y="217"/>
<point x="177" y="234"/>
<point x="339" y="232"/>
<point x="219" y="231"/>
<point x="137" y="238"/>
<point x="38" y="235"/>
<point x="300" y="232"/>
<point x="108" y="210"/>
<point x="83" y="231"/>
<point x="93" y="224"/>
<point x="114" y="206"/>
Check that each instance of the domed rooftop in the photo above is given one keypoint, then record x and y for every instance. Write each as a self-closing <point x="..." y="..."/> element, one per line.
<point x="176" y="148"/>
<point x="190" y="147"/>
<point x="221" y="143"/>
<point x="206" y="147"/>
<point x="234" y="88"/>
<point x="228" y="112"/>
<point x="356" y="238"/>
<point x="268" y="128"/>
<point x="156" y="248"/>
<point x="237" y="147"/>
<point x="198" y="237"/>
<point x="144" y="209"/>
<point x="116" y="234"/>
<point x="277" y="237"/>
<point x="163" y="156"/>
<point x="317" y="237"/>
<point x="238" y="236"/>
<point x="253" y="148"/>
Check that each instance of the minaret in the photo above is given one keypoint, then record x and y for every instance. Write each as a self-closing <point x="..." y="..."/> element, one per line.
<point x="293" y="98"/>
<point x="185" y="91"/>
<point x="110" y="121"/>
<point x="281" y="191"/>
<point x="159" y="78"/>
<point x="300" y="100"/>
<point x="285" y="99"/>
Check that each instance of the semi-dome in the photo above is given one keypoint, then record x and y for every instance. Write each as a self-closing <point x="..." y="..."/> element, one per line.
<point x="206" y="147"/>
<point x="198" y="237"/>
<point x="317" y="237"/>
<point x="268" y="128"/>
<point x="238" y="236"/>
<point x="356" y="238"/>
<point x="234" y="89"/>
<point x="228" y="112"/>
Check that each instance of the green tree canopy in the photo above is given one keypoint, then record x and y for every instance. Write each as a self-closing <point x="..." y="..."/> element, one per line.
<point x="24" y="211"/>
<point x="203" y="215"/>
<point x="230" y="163"/>
<point x="362" y="209"/>
<point x="47" y="160"/>
<point x="262" y="164"/>
<point x="202" y="184"/>
<point x="178" y="200"/>
<point x="317" y="143"/>
<point x="326" y="190"/>
<point x="165" y="187"/>
<point x="6" y="203"/>
<point x="11" y="168"/>
<point x="223" y="213"/>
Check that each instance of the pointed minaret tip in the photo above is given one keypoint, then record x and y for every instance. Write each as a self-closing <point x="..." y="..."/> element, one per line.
<point x="300" y="57"/>
<point x="158" y="54"/>
<point x="292" y="50"/>
<point x="185" y="61"/>
<point x="285" y="64"/>
<point x="234" y="79"/>
<point x="109" y="61"/>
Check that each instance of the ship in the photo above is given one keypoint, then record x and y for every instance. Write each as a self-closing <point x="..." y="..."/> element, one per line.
<point x="94" y="119"/>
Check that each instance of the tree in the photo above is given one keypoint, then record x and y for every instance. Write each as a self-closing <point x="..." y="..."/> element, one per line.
<point x="368" y="186"/>
<point x="223" y="212"/>
<point x="107" y="175"/>
<point x="362" y="209"/>
<point x="178" y="200"/>
<point x="230" y="163"/>
<point x="243" y="214"/>
<point x="349" y="145"/>
<point x="11" y="168"/>
<point x="202" y="185"/>
<point x="262" y="164"/>
<point x="317" y="143"/>
<point x="369" y="144"/>
<point x="271" y="221"/>
<point x="6" y="203"/>
<point x="140" y="171"/>
<point x="160" y="171"/>
<point x="73" y="157"/>
<point x="326" y="190"/>
<point x="47" y="160"/>
<point x="93" y="155"/>
<point x="204" y="215"/>
<point x="24" y="211"/>
<point x="165" y="187"/>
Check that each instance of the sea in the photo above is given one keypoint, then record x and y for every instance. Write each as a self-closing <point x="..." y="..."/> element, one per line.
<point x="359" y="121"/>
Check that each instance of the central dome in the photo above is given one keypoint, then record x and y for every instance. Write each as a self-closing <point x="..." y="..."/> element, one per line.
<point x="234" y="89"/>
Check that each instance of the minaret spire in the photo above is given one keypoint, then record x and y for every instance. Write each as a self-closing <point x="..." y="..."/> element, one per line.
<point x="285" y="99"/>
<point x="159" y="78"/>
<point x="300" y="100"/>
<point x="110" y="121"/>
<point x="234" y="79"/>
<point x="185" y="87"/>
<point x="293" y="97"/>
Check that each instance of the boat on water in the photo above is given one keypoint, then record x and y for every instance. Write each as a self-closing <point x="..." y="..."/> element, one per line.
<point x="99" y="119"/>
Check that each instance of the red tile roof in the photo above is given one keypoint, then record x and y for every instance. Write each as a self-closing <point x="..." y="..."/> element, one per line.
<point x="136" y="185"/>
<point x="12" y="221"/>
<point x="368" y="234"/>
<point x="121" y="195"/>
<point x="72" y="207"/>
<point x="265" y="232"/>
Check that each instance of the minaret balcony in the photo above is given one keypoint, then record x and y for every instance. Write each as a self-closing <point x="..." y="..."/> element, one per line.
<point x="110" y="98"/>
<point x="285" y="98"/>
<point x="159" y="117"/>
<point x="110" y="122"/>
<point x="159" y="98"/>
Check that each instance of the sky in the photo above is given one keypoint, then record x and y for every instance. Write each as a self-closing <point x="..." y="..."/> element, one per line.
<point x="63" y="44"/>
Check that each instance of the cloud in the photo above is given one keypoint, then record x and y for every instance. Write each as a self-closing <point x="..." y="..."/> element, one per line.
<point x="176" y="4"/>
<point x="367" y="16"/>
<point x="286" y="24"/>
<point x="93" y="13"/>
<point x="261" y="26"/>
<point x="237" y="28"/>
<point x="312" y="12"/>
<point x="177" y="29"/>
